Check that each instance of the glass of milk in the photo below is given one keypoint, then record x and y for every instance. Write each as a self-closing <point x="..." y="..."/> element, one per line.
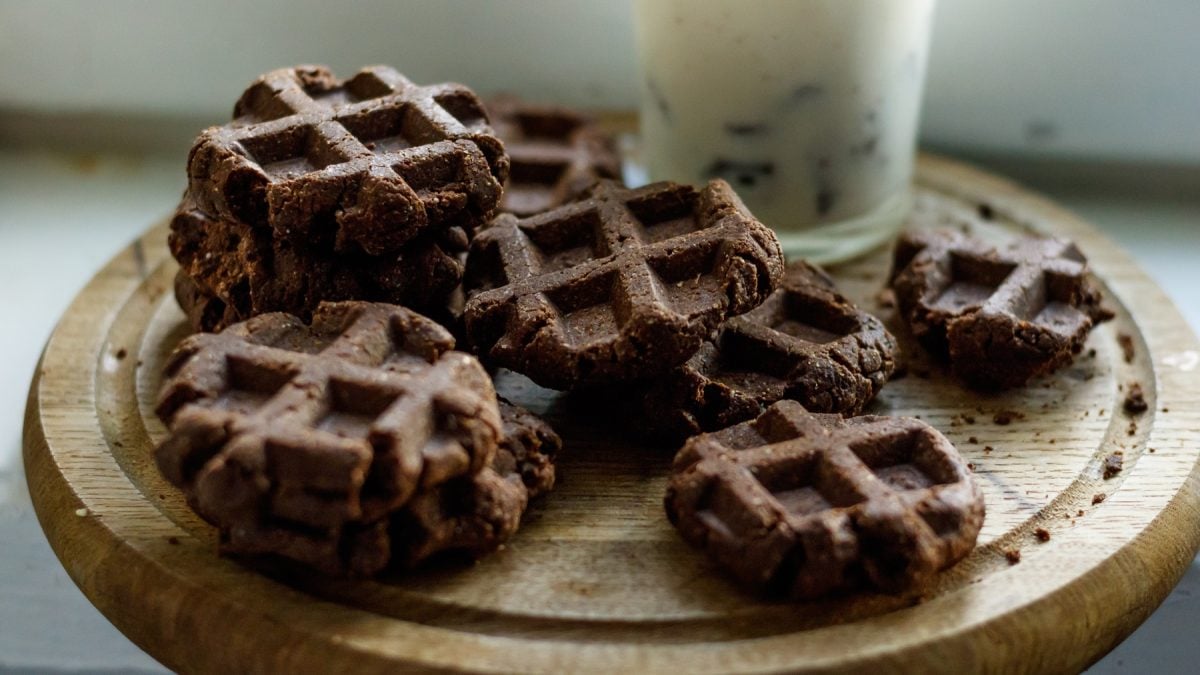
<point x="808" y="108"/>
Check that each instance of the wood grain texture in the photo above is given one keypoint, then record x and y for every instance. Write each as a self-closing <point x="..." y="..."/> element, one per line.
<point x="597" y="580"/>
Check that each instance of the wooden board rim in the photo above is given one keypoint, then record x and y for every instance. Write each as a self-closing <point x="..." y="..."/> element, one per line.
<point x="1137" y="571"/>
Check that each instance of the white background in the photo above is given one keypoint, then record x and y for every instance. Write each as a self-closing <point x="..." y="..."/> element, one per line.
<point x="1096" y="78"/>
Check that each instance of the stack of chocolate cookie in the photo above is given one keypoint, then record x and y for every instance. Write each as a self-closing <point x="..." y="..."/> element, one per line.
<point x="350" y="443"/>
<point x="322" y="189"/>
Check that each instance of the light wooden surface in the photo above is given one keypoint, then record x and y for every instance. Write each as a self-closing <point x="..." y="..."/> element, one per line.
<point x="597" y="580"/>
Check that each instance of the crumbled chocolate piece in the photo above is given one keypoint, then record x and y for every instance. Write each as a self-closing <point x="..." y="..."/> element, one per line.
<point x="1042" y="534"/>
<point x="1126" y="343"/>
<point x="1006" y="417"/>
<point x="1113" y="464"/>
<point x="1013" y="556"/>
<point x="1135" y="400"/>
<point x="1099" y="497"/>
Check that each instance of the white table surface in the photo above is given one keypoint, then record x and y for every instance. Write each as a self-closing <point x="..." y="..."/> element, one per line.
<point x="62" y="217"/>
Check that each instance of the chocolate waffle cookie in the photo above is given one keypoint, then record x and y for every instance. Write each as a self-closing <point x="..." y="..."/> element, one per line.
<point x="362" y="164"/>
<point x="250" y="272"/>
<point x="801" y="505"/>
<point x="806" y="342"/>
<point x="301" y="440"/>
<point x="475" y="514"/>
<point x="1000" y="314"/>
<point x="625" y="283"/>
<point x="556" y="154"/>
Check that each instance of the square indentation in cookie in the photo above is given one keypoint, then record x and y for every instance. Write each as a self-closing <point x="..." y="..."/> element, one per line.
<point x="251" y="383"/>
<point x="687" y="280"/>
<point x="803" y="483"/>
<point x="805" y="319"/>
<point x="972" y="281"/>
<point x="585" y="309"/>
<point x="665" y="214"/>
<point x="564" y="241"/>
<point x="292" y="152"/>
<point x="381" y="130"/>
<point x="532" y="186"/>
<point x="906" y="460"/>
<point x="463" y="107"/>
<point x="353" y="408"/>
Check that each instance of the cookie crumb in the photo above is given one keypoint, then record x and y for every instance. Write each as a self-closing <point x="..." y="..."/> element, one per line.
<point x="1135" y="400"/>
<point x="988" y="448"/>
<point x="973" y="440"/>
<point x="1132" y="429"/>
<point x="971" y="466"/>
<point x="121" y="353"/>
<point x="1042" y="534"/>
<point x="1006" y="417"/>
<point x="985" y="211"/>
<point x="1151" y="450"/>
<point x="1079" y="513"/>
<point x="1099" y="498"/>
<point x="82" y="513"/>
<point x="1126" y="343"/>
<point x="1013" y="556"/>
<point x="1113" y="465"/>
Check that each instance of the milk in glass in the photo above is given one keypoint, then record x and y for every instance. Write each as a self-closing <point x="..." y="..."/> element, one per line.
<point x="808" y="108"/>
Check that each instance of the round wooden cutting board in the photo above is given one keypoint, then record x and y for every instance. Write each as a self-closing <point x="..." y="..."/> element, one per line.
<point x="597" y="580"/>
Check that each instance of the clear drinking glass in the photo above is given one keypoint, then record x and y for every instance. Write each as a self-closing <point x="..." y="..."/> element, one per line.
<point x="808" y="108"/>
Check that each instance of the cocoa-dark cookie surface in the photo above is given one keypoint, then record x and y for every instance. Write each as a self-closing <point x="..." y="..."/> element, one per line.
<point x="249" y="271"/>
<point x="528" y="448"/>
<point x="800" y="505"/>
<point x="362" y="164"/>
<point x="302" y="440"/>
<point x="806" y="342"/>
<point x="1002" y="315"/>
<point x="556" y="153"/>
<point x="205" y="312"/>
<point x="474" y="515"/>
<point x="624" y="283"/>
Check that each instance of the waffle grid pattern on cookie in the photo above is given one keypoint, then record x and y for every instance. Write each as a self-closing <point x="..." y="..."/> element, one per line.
<point x="572" y="283"/>
<point x="1028" y="304"/>
<point x="804" y="504"/>
<point x="555" y="153"/>
<point x="373" y="148"/>
<point x="805" y="342"/>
